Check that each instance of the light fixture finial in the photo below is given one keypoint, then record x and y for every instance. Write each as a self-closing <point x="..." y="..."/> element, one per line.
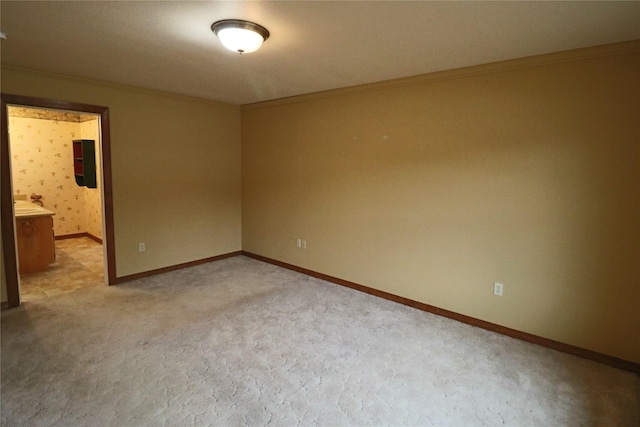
<point x="240" y="36"/>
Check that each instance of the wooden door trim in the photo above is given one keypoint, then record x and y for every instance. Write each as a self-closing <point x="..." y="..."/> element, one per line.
<point x="8" y="229"/>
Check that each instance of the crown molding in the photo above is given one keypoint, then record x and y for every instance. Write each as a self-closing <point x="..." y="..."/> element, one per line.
<point x="465" y="72"/>
<point x="118" y="86"/>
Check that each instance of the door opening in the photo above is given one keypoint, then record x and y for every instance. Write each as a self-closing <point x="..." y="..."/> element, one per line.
<point x="8" y="225"/>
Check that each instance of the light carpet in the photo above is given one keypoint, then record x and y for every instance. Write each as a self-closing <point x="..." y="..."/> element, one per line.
<point x="241" y="342"/>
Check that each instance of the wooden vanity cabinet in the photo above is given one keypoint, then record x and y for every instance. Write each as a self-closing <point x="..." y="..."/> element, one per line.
<point x="36" y="244"/>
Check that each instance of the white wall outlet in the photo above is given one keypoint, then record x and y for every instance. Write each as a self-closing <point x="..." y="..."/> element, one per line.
<point x="304" y="244"/>
<point x="142" y="247"/>
<point x="497" y="289"/>
<point x="299" y="243"/>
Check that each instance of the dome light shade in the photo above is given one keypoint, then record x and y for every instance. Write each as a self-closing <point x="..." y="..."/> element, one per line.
<point x="240" y="36"/>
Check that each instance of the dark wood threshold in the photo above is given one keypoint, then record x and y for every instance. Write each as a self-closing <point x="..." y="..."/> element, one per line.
<point x="77" y="235"/>
<point x="513" y="333"/>
<point x="174" y="267"/>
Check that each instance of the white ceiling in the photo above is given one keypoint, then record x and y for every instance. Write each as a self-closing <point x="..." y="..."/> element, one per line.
<point x="314" y="46"/>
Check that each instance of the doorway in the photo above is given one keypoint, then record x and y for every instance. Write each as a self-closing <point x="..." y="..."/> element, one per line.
<point x="43" y="176"/>
<point x="104" y="163"/>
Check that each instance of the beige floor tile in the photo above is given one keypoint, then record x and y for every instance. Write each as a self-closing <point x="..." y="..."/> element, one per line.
<point x="79" y="265"/>
<point x="53" y="292"/>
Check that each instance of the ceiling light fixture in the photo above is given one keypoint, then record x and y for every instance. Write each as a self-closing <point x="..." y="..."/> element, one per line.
<point x="240" y="36"/>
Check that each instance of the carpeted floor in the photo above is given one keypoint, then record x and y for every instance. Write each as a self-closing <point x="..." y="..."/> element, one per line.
<point x="240" y="342"/>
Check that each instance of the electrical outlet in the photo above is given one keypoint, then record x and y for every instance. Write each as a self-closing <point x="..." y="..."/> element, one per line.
<point x="142" y="247"/>
<point x="304" y="244"/>
<point x="497" y="289"/>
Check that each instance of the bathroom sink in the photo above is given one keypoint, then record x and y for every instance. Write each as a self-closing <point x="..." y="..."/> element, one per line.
<point x="23" y="211"/>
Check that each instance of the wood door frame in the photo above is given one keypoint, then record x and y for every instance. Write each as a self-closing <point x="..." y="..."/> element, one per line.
<point x="8" y="226"/>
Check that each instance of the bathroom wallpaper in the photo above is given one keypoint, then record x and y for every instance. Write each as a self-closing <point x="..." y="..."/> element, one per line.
<point x="47" y="114"/>
<point x="92" y="196"/>
<point x="42" y="164"/>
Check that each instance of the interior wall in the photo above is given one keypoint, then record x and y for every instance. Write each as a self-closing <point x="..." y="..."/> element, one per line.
<point x="175" y="166"/>
<point x="93" y="196"/>
<point x="42" y="164"/>
<point x="435" y="190"/>
<point x="3" y="276"/>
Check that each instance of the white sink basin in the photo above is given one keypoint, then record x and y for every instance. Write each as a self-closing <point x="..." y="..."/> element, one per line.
<point x="23" y="211"/>
<point x="26" y="209"/>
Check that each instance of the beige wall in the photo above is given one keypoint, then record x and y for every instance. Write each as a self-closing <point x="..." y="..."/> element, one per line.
<point x="434" y="189"/>
<point x="3" y="276"/>
<point x="42" y="163"/>
<point x="175" y="164"/>
<point x="93" y="196"/>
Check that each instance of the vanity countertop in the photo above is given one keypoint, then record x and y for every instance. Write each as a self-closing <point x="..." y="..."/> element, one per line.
<point x="24" y="209"/>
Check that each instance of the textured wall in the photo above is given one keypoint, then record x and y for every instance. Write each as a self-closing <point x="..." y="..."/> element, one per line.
<point x="175" y="166"/>
<point x="42" y="163"/>
<point x="3" y="276"/>
<point x="93" y="196"/>
<point x="526" y="174"/>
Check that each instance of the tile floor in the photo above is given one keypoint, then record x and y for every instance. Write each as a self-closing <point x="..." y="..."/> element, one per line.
<point x="79" y="264"/>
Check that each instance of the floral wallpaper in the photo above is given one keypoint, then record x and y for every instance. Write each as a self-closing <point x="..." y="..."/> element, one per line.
<point x="42" y="164"/>
<point x="92" y="196"/>
<point x="46" y="114"/>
